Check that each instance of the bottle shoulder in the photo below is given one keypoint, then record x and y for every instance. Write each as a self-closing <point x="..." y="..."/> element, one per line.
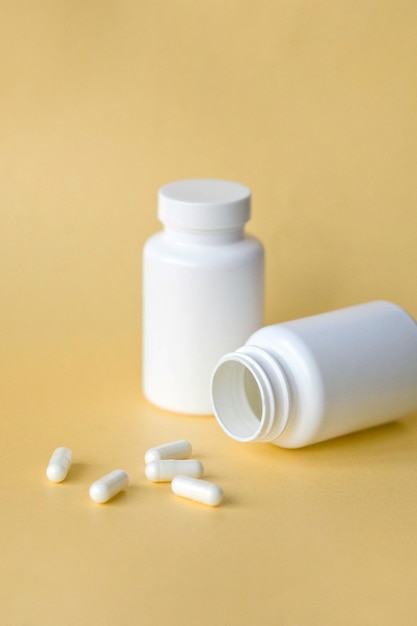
<point x="291" y="349"/>
<point x="164" y="248"/>
<point x="304" y="378"/>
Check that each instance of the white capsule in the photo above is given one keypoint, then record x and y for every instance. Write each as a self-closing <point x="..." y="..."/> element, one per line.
<point x="175" y="450"/>
<point x="164" y="471"/>
<point x="110" y="485"/>
<point x="59" y="465"/>
<point x="198" y="490"/>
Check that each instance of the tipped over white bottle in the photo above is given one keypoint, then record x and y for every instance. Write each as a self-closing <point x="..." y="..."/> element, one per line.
<point x="312" y="379"/>
<point x="202" y="290"/>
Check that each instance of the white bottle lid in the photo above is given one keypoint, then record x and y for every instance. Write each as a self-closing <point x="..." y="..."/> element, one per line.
<point x="204" y="204"/>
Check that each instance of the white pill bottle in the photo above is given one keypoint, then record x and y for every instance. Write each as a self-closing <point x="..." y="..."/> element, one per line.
<point x="203" y="290"/>
<point x="312" y="379"/>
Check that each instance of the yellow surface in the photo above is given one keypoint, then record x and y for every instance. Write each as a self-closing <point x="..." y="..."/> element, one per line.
<point x="311" y="104"/>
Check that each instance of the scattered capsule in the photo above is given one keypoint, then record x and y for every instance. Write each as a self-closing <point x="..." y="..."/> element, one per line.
<point x="198" y="490"/>
<point x="164" y="471"/>
<point x="175" y="450"/>
<point x="59" y="465"/>
<point x="110" y="485"/>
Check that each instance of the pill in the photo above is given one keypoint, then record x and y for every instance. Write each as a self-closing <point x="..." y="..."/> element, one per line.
<point x="198" y="490"/>
<point x="175" y="450"/>
<point x="110" y="485"/>
<point x="59" y="465"/>
<point x="164" y="471"/>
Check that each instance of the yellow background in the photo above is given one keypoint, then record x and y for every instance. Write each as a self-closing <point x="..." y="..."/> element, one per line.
<point x="313" y="105"/>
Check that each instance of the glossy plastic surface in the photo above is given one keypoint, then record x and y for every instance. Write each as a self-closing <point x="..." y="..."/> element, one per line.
<point x="204" y="204"/>
<point x="202" y="297"/>
<point x="316" y="378"/>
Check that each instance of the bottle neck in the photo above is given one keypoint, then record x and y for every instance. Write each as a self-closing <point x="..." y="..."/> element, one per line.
<point x="251" y="395"/>
<point x="205" y="237"/>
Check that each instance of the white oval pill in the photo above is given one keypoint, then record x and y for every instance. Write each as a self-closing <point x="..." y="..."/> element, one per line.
<point x="59" y="465"/>
<point x="164" y="471"/>
<point x="180" y="449"/>
<point x="110" y="485"/>
<point x="198" y="490"/>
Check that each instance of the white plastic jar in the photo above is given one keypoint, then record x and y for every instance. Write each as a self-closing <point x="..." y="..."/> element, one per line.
<point x="308" y="380"/>
<point x="203" y="290"/>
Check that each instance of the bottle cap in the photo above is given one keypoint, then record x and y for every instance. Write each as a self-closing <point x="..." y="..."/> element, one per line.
<point x="204" y="204"/>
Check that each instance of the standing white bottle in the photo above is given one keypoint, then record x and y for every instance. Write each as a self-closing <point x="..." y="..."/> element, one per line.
<point x="319" y="377"/>
<point x="203" y="290"/>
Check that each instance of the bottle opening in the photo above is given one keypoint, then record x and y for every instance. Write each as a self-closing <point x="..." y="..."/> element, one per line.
<point x="238" y="400"/>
